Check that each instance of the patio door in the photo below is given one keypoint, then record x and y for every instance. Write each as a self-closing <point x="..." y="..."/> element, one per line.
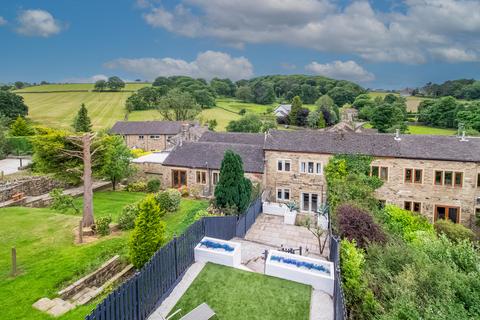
<point x="179" y="178"/>
<point x="447" y="213"/>
<point x="309" y="202"/>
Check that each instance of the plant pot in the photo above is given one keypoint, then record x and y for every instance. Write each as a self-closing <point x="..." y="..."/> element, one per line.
<point x="322" y="221"/>
<point x="289" y="217"/>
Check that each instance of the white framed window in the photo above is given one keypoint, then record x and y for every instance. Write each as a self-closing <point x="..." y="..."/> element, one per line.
<point x="284" y="165"/>
<point x="201" y="177"/>
<point x="155" y="137"/>
<point x="283" y="194"/>
<point x="311" y="167"/>
<point x="309" y="202"/>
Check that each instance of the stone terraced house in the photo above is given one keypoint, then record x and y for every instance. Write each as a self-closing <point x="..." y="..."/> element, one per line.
<point x="156" y="135"/>
<point x="437" y="176"/>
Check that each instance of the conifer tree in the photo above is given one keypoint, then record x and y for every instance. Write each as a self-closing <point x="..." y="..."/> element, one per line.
<point x="233" y="189"/>
<point x="296" y="107"/>
<point x="82" y="122"/>
<point x="149" y="232"/>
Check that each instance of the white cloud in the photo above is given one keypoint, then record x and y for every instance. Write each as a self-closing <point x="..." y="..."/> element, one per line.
<point x="3" y="21"/>
<point x="91" y="79"/>
<point x="409" y="33"/>
<point x="455" y="54"/>
<point x="207" y="65"/>
<point x="37" y="23"/>
<point x="345" y="70"/>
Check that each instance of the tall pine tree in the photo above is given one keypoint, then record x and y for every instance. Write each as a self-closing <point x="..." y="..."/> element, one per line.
<point x="233" y="189"/>
<point x="296" y="107"/>
<point x="82" y="122"/>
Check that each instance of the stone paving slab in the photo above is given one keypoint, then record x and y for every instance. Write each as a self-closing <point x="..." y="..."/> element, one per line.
<point x="321" y="306"/>
<point x="271" y="231"/>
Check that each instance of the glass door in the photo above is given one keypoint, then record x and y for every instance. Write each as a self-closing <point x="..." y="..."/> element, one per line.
<point x="309" y="202"/>
<point x="179" y="178"/>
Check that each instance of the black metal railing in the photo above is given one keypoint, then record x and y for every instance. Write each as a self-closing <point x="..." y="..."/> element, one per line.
<point x="140" y="295"/>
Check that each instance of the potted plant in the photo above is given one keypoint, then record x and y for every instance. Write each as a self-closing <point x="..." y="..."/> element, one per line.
<point x="291" y="214"/>
<point x="322" y="216"/>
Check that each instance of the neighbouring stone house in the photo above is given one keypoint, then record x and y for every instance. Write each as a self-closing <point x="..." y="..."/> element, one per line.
<point x="197" y="164"/>
<point x="156" y="135"/>
<point x="438" y="176"/>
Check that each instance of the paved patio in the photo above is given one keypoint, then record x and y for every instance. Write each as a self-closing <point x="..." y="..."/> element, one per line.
<point x="270" y="230"/>
<point x="9" y="166"/>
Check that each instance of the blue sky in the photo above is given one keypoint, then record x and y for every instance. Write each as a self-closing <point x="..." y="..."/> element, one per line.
<point x="379" y="44"/>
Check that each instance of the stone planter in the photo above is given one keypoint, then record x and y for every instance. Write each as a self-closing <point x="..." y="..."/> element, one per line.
<point x="289" y="217"/>
<point x="274" y="208"/>
<point x="218" y="251"/>
<point x="322" y="221"/>
<point x="317" y="273"/>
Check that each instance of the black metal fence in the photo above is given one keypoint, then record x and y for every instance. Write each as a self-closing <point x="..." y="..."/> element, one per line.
<point x="138" y="297"/>
<point x="338" y="297"/>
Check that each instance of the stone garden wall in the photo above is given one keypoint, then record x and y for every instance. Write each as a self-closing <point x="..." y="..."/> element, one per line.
<point x="31" y="186"/>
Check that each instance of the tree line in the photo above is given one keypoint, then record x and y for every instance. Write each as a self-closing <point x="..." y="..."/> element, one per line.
<point x="468" y="89"/>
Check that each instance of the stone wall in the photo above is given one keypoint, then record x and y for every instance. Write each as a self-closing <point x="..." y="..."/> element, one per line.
<point x="31" y="186"/>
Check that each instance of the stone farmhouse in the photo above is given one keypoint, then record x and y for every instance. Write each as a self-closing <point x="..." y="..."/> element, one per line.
<point x="156" y="135"/>
<point x="437" y="176"/>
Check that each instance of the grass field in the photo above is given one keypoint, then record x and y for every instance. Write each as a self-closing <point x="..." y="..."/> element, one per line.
<point x="48" y="259"/>
<point x="76" y="86"/>
<point x="241" y="295"/>
<point x="417" y="129"/>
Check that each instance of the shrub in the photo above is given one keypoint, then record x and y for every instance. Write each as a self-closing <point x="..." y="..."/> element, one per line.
<point x="137" y="153"/>
<point x="359" y="297"/>
<point x="242" y="111"/>
<point x="169" y="200"/>
<point x="62" y="202"/>
<point x="139" y="186"/>
<point x="283" y="120"/>
<point x="126" y="221"/>
<point x="149" y="232"/>
<point x="153" y="185"/>
<point x="202" y="213"/>
<point x="406" y="223"/>
<point x="453" y="231"/>
<point x="356" y="224"/>
<point x="102" y="225"/>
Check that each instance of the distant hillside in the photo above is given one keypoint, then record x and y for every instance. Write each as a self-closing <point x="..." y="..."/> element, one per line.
<point x="461" y="89"/>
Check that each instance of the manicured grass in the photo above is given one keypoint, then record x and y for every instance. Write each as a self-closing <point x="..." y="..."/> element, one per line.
<point x="412" y="102"/>
<point x="48" y="258"/>
<point x="236" y="295"/>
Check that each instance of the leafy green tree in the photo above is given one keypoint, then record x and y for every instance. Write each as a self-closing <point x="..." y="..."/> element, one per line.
<point x="263" y="93"/>
<point x="244" y="93"/>
<point x="247" y="123"/>
<point x="268" y="124"/>
<point x="329" y="110"/>
<point x="309" y="93"/>
<point x="342" y="95"/>
<point x="115" y="160"/>
<point x="363" y="101"/>
<point x="20" y="127"/>
<point x="223" y="87"/>
<point x="302" y="116"/>
<point x="149" y="232"/>
<point x="115" y="83"/>
<point x="178" y="106"/>
<point x="82" y="122"/>
<point x="12" y="105"/>
<point x="3" y="138"/>
<point x="204" y="98"/>
<point x="315" y="120"/>
<point x="162" y="81"/>
<point x="62" y="202"/>
<point x="100" y="85"/>
<point x="388" y="118"/>
<point x="470" y="116"/>
<point x="19" y="84"/>
<point x="296" y="107"/>
<point x="233" y="189"/>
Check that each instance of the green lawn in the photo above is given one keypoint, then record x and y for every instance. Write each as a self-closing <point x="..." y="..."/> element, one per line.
<point x="236" y="295"/>
<point x="48" y="258"/>
<point x="412" y="102"/>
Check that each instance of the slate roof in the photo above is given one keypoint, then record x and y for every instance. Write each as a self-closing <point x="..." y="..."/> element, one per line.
<point x="379" y="145"/>
<point x="234" y="137"/>
<point x="282" y="110"/>
<point x="198" y="154"/>
<point x="147" y="127"/>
